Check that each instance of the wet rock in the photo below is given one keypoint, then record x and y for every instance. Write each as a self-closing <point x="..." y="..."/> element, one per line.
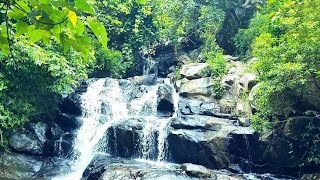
<point x="277" y="153"/>
<point x="39" y="129"/>
<point x="311" y="177"/>
<point x="124" y="138"/>
<point x="194" y="71"/>
<point x="165" y="100"/>
<point x="209" y="141"/>
<point x="197" y="171"/>
<point x="18" y="166"/>
<point x="26" y="143"/>
<point x="105" y="168"/>
<point x="68" y="122"/>
<point x="71" y="104"/>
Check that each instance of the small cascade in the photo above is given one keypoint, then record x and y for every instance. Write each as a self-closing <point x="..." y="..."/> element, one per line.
<point x="163" y="127"/>
<point x="248" y="151"/>
<point x="107" y="105"/>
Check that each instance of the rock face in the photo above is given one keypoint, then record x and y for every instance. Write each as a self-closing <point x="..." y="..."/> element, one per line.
<point x="194" y="71"/>
<point x="209" y="141"/>
<point x="123" y="138"/>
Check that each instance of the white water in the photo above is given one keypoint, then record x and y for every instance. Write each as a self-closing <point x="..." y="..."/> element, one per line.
<point x="92" y="131"/>
<point x="163" y="127"/>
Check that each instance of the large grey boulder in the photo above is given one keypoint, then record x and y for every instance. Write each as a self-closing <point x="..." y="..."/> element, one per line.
<point x="201" y="88"/>
<point x="26" y="143"/>
<point x="195" y="71"/>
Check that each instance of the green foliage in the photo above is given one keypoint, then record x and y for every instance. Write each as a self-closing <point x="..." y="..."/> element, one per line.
<point x="284" y="37"/>
<point x="47" y="19"/>
<point x="37" y="80"/>
<point x="217" y="89"/>
<point x="110" y="63"/>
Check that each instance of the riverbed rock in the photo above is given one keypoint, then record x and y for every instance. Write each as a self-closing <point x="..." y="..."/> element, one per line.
<point x="197" y="171"/>
<point x="26" y="143"/>
<point x="105" y="167"/>
<point x="18" y="166"/>
<point x="194" y="71"/>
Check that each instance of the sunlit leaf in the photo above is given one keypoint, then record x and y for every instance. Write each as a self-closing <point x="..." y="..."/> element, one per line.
<point x="72" y="17"/>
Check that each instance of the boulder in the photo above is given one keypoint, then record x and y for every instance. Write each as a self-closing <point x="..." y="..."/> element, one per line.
<point x="26" y="143"/>
<point x="124" y="137"/>
<point x="144" y="80"/>
<point x="197" y="171"/>
<point x="38" y="129"/>
<point x="183" y="59"/>
<point x="248" y="81"/>
<point x="191" y="107"/>
<point x="104" y="167"/>
<point x="276" y="152"/>
<point x="71" y="104"/>
<point x="296" y="127"/>
<point x="68" y="122"/>
<point x="195" y="71"/>
<point x="18" y="166"/>
<point x="210" y="141"/>
<point x="165" y="105"/>
<point x="196" y="88"/>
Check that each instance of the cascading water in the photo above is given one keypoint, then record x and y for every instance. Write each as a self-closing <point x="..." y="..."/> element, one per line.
<point x="108" y="94"/>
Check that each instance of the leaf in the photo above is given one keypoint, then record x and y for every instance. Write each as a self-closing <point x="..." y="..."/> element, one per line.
<point x="72" y="17"/>
<point x="143" y="2"/>
<point x="4" y="46"/>
<point x="80" y="28"/>
<point x="21" y="28"/>
<point x="83" y="5"/>
<point x="35" y="35"/>
<point x="100" y="32"/>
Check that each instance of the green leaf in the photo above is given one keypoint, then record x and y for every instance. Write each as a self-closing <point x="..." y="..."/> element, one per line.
<point x="35" y="35"/>
<point x="4" y="46"/>
<point x="80" y="28"/>
<point x="100" y="32"/>
<point x="143" y="2"/>
<point x="83" y="5"/>
<point x="21" y="28"/>
<point x="16" y="13"/>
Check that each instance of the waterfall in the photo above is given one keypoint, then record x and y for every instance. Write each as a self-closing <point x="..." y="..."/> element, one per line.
<point x="107" y="104"/>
